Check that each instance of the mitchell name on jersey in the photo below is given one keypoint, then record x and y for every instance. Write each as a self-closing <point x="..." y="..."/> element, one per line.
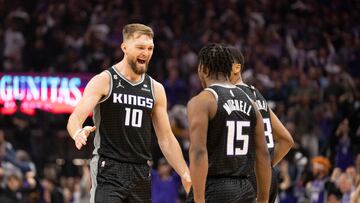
<point x="237" y="105"/>
<point x="133" y="100"/>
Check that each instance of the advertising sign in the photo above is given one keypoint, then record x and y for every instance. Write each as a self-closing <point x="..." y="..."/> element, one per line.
<point x="52" y="93"/>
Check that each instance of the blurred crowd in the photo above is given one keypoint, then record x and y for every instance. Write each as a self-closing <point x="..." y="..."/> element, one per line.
<point x="303" y="56"/>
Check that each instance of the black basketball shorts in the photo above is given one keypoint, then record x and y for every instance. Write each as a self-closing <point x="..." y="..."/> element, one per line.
<point x="117" y="182"/>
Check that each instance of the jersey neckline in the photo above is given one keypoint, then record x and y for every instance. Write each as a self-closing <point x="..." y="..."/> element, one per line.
<point x="223" y="85"/>
<point x="130" y="82"/>
<point x="242" y="84"/>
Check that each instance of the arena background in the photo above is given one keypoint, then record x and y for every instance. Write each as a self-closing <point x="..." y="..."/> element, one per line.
<point x="303" y="55"/>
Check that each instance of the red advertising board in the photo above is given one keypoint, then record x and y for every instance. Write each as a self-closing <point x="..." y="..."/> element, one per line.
<point x="52" y="93"/>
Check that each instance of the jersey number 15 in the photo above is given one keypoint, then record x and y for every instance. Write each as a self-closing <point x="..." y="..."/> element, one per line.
<point x="235" y="133"/>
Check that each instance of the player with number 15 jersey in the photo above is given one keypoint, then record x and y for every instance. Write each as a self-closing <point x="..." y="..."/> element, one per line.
<point x="225" y="131"/>
<point x="231" y="133"/>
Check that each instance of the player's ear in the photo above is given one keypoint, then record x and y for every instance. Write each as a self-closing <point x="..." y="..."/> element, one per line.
<point x="200" y="69"/>
<point x="235" y="71"/>
<point x="123" y="47"/>
<point x="236" y="68"/>
<point x="204" y="70"/>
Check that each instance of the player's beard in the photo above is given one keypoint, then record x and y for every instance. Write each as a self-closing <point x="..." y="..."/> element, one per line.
<point x="138" y="70"/>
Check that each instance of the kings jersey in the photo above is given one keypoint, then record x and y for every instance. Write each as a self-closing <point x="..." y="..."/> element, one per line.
<point x="123" y="119"/>
<point x="230" y="138"/>
<point x="263" y="107"/>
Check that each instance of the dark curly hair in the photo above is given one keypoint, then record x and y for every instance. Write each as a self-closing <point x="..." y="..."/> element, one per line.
<point x="216" y="59"/>
<point x="238" y="57"/>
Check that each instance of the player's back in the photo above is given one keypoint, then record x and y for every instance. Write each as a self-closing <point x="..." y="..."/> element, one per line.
<point x="263" y="107"/>
<point x="230" y="137"/>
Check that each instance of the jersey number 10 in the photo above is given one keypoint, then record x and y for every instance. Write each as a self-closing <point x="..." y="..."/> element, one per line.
<point x="135" y="115"/>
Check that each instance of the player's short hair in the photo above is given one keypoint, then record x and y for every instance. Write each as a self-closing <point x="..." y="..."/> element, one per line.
<point x="238" y="57"/>
<point x="216" y="59"/>
<point x="131" y="30"/>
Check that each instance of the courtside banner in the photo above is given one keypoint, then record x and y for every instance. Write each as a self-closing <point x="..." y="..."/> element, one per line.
<point x="54" y="93"/>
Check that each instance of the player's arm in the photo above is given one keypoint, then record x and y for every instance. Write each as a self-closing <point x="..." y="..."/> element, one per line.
<point x="262" y="162"/>
<point x="96" y="88"/>
<point x="166" y="139"/>
<point x="283" y="138"/>
<point x="198" y="116"/>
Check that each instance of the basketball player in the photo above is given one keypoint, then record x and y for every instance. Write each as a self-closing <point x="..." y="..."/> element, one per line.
<point x="225" y="131"/>
<point x="279" y="140"/>
<point x="126" y="102"/>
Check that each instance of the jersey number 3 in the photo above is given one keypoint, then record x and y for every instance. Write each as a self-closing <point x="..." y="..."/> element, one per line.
<point x="235" y="132"/>
<point x="268" y="133"/>
<point x="135" y="115"/>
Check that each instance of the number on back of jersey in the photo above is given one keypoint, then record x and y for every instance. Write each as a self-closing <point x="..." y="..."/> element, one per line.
<point x="235" y="133"/>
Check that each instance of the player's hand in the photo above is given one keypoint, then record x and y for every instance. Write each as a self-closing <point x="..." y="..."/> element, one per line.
<point x="186" y="181"/>
<point x="80" y="138"/>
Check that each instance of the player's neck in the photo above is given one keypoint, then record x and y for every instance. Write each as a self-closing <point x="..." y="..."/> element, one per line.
<point x="220" y="80"/>
<point x="125" y="70"/>
<point x="239" y="82"/>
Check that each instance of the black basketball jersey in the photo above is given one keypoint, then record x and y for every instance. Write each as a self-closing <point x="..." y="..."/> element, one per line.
<point x="123" y="119"/>
<point x="263" y="107"/>
<point x="230" y="137"/>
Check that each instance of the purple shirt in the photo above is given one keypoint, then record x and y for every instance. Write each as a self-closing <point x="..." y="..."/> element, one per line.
<point x="164" y="191"/>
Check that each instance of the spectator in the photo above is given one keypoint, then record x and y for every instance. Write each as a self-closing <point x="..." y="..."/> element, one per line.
<point x="320" y="171"/>
<point x="175" y="87"/>
<point x="334" y="196"/>
<point x="51" y="193"/>
<point x="165" y="183"/>
<point x="11" y="193"/>
<point x="344" y="155"/>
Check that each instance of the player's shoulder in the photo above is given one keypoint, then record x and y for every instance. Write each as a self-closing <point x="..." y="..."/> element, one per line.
<point x="256" y="90"/>
<point x="247" y="87"/>
<point x="203" y="99"/>
<point x="101" y="78"/>
<point x="99" y="84"/>
<point x="158" y="88"/>
<point x="106" y="74"/>
<point x="156" y="84"/>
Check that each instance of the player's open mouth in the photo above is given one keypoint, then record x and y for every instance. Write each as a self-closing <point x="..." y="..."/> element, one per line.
<point x="141" y="61"/>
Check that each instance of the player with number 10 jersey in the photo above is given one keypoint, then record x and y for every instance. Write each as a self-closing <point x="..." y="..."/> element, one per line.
<point x="124" y="118"/>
